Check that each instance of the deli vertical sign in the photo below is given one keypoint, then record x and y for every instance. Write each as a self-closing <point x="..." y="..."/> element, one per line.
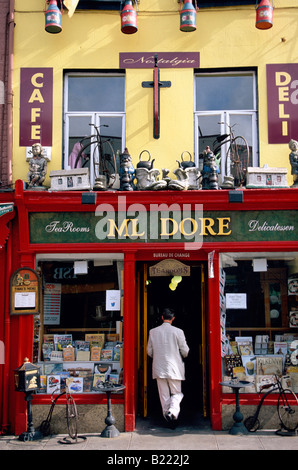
<point x="282" y="103"/>
<point x="36" y="106"/>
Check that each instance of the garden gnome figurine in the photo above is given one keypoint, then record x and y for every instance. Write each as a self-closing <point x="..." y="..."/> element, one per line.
<point x="127" y="172"/>
<point x="37" y="168"/>
<point x="293" y="145"/>
<point x="210" y="170"/>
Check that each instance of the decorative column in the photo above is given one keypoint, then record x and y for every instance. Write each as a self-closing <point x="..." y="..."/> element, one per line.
<point x="130" y="345"/>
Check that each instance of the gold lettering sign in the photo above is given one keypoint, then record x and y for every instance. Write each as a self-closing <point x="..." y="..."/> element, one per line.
<point x="169" y="267"/>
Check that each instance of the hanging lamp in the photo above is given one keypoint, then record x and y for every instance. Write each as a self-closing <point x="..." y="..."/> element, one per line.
<point x="128" y="18"/>
<point x="264" y="18"/>
<point x="188" y="16"/>
<point x="53" y="17"/>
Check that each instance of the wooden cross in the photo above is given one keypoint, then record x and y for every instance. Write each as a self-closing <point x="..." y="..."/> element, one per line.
<point x="156" y="85"/>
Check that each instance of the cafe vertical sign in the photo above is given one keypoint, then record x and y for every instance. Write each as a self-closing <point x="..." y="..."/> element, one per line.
<point x="36" y="106"/>
<point x="282" y="103"/>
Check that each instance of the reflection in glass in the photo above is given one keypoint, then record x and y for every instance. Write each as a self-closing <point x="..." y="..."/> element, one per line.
<point x="224" y="92"/>
<point x="96" y="93"/>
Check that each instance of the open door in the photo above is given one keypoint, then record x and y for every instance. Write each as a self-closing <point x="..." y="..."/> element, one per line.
<point x="188" y="301"/>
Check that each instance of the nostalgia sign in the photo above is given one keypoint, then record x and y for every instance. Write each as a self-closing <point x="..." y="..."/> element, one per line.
<point x="143" y="60"/>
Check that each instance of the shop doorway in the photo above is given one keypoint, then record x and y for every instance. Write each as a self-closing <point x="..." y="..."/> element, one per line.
<point x="188" y="301"/>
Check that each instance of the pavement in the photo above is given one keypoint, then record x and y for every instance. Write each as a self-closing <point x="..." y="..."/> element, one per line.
<point x="153" y="441"/>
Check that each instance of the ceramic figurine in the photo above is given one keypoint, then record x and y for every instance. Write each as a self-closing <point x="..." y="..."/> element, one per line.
<point x="127" y="172"/>
<point x="147" y="180"/>
<point x="293" y="145"/>
<point x="187" y="173"/>
<point x="210" y="170"/>
<point x="37" y="168"/>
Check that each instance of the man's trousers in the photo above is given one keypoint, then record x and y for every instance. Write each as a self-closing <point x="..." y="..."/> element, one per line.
<point x="170" y="395"/>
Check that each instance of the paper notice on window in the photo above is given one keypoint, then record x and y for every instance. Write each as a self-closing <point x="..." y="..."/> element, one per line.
<point x="112" y="300"/>
<point x="52" y="304"/>
<point x="236" y="301"/>
<point x="24" y="300"/>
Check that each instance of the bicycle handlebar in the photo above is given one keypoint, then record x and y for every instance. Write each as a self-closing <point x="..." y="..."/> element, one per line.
<point x="101" y="125"/>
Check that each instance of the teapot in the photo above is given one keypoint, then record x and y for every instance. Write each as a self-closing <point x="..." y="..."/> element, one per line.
<point x="145" y="164"/>
<point x="185" y="164"/>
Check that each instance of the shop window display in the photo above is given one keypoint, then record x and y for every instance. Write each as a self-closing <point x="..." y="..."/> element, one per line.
<point x="259" y="312"/>
<point x="78" y="336"/>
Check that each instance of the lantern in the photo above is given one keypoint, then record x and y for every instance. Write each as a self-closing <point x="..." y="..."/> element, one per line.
<point x="27" y="379"/>
<point x="128" y="18"/>
<point x="53" y="17"/>
<point x="264" y="15"/>
<point x="188" y="17"/>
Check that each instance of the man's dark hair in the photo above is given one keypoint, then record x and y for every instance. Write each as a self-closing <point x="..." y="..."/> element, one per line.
<point x="168" y="314"/>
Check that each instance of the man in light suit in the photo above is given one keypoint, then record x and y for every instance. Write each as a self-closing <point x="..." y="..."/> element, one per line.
<point x="167" y="346"/>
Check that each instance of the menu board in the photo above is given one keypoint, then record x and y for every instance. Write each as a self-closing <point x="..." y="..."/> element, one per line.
<point x="24" y="292"/>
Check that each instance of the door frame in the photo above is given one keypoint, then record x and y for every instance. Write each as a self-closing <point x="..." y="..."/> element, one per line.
<point x="142" y="298"/>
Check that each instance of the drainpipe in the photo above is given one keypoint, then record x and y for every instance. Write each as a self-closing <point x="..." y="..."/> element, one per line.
<point x="11" y="25"/>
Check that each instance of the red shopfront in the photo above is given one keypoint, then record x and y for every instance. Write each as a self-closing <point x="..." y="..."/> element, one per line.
<point x="135" y="232"/>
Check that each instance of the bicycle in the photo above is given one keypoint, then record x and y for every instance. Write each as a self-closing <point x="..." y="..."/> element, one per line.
<point x="103" y="156"/>
<point x="237" y="156"/>
<point x="287" y="408"/>
<point x="71" y="415"/>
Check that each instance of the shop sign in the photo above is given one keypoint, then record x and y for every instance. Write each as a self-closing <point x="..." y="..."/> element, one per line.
<point x="158" y="226"/>
<point x="169" y="267"/>
<point x="170" y="60"/>
<point x="24" y="292"/>
<point x="36" y="106"/>
<point x="282" y="103"/>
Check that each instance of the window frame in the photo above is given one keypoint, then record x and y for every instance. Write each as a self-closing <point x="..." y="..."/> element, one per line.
<point x="95" y="116"/>
<point x="225" y="115"/>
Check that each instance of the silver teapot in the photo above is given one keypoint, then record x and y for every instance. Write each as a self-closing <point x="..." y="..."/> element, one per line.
<point x="145" y="164"/>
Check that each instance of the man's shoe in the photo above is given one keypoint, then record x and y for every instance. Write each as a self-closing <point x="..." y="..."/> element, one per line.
<point x="172" y="420"/>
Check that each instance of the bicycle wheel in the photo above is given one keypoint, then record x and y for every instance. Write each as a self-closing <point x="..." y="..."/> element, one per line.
<point x="104" y="162"/>
<point x="252" y="424"/>
<point x="237" y="160"/>
<point x="85" y="151"/>
<point x="45" y="427"/>
<point x="71" y="417"/>
<point x="287" y="409"/>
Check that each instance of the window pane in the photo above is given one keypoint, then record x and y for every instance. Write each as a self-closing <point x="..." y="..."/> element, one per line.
<point x="242" y="126"/>
<point x="96" y="93"/>
<point x="78" y="128"/>
<point x="209" y="129"/>
<point x="81" y="335"/>
<point x="113" y="133"/>
<point x="224" y="92"/>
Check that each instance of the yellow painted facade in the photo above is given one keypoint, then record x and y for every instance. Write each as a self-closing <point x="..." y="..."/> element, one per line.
<point x="226" y="37"/>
